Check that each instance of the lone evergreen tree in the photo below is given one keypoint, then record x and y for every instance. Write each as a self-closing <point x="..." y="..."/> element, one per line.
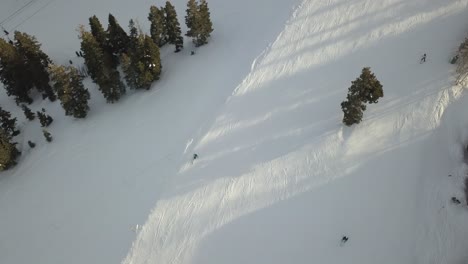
<point x="133" y="37"/>
<point x="367" y="87"/>
<point x="8" y="151"/>
<point x="44" y="118"/>
<point x="353" y="109"/>
<point x="118" y="38"/>
<point x="47" y="135"/>
<point x="8" y="124"/>
<point x="70" y="90"/>
<point x="173" y="27"/>
<point x="28" y="113"/>
<point x="205" y="24"/>
<point x="36" y="63"/>
<point x="158" y="27"/>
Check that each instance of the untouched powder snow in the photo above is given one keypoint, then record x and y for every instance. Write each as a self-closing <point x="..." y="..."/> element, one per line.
<point x="278" y="179"/>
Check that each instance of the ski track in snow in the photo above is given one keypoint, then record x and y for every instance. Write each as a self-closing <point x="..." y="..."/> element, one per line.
<point x="250" y="163"/>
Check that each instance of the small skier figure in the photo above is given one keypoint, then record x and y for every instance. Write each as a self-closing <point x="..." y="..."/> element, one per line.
<point x="344" y="239"/>
<point x="423" y="58"/>
<point x="192" y="52"/>
<point x="455" y="200"/>
<point x="195" y="156"/>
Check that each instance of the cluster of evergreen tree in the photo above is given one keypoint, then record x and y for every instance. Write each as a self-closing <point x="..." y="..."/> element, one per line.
<point x="365" y="89"/>
<point x="104" y="51"/>
<point x="198" y="22"/>
<point x="23" y="66"/>
<point x="165" y="27"/>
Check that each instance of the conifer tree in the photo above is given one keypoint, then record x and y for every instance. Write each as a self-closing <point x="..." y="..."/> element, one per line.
<point x="36" y="63"/>
<point x="44" y="118"/>
<point x="8" y="151"/>
<point x="28" y="113"/>
<point x="133" y="37"/>
<point x="70" y="90"/>
<point x="118" y="38"/>
<point x="100" y="67"/>
<point x="13" y="73"/>
<point x="173" y="27"/>
<point x="158" y="26"/>
<point x="205" y="24"/>
<point x="367" y="87"/>
<point x="353" y="109"/>
<point x="191" y="19"/>
<point x="97" y="30"/>
<point x="143" y="67"/>
<point x="8" y="124"/>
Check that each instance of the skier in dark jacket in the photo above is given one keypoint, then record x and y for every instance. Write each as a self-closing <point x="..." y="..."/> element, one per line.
<point x="423" y="58"/>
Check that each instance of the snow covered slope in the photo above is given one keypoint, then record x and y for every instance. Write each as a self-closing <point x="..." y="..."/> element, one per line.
<point x="278" y="179"/>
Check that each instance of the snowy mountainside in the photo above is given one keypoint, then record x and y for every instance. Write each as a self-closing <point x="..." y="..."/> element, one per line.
<point x="279" y="179"/>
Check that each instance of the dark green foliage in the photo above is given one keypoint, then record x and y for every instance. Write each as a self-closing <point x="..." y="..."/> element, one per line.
<point x="47" y="135"/>
<point x="44" y="118"/>
<point x="31" y="144"/>
<point x="8" y="124"/>
<point x="101" y="67"/>
<point x="158" y="27"/>
<point x="143" y="66"/>
<point x="173" y="27"/>
<point x="8" y="151"/>
<point x="98" y="32"/>
<point x="70" y="90"/>
<point x="133" y="37"/>
<point x="118" y="38"/>
<point x="198" y="22"/>
<point x="367" y="87"/>
<point x="191" y="19"/>
<point x="35" y="63"/>
<point x="205" y="24"/>
<point x="13" y="73"/>
<point x="28" y="113"/>
<point x="353" y="110"/>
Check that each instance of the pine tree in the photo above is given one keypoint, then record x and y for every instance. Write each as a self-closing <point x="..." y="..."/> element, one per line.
<point x="158" y="26"/>
<point x="97" y="30"/>
<point x="13" y="73"/>
<point x="133" y="37"/>
<point x="47" y="135"/>
<point x="8" y="151"/>
<point x="28" y="113"/>
<point x="70" y="90"/>
<point x="118" y="38"/>
<point x="150" y="64"/>
<point x="205" y="24"/>
<point x="8" y="124"/>
<point x="173" y="27"/>
<point x="191" y="19"/>
<point x="44" y="118"/>
<point x="353" y="109"/>
<point x="367" y="87"/>
<point x="100" y="67"/>
<point x="36" y="63"/>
